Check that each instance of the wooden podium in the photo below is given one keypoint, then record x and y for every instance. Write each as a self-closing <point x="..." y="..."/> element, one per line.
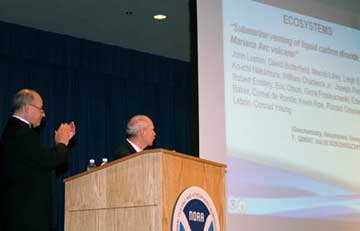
<point x="138" y="192"/>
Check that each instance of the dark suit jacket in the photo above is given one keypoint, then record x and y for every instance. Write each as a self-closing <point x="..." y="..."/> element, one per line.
<point x="27" y="171"/>
<point x="123" y="150"/>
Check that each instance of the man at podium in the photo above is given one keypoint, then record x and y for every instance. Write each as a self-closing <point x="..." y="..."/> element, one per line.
<point x="140" y="133"/>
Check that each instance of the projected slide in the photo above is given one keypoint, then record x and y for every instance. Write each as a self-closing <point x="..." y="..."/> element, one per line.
<point x="292" y="112"/>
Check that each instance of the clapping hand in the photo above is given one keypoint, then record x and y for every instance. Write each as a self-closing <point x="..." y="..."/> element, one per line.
<point x="65" y="132"/>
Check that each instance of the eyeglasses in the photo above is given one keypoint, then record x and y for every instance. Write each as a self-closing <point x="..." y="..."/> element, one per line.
<point x="40" y="109"/>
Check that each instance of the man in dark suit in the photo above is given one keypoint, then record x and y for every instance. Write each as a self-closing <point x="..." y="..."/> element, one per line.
<point x="27" y="166"/>
<point x="141" y="134"/>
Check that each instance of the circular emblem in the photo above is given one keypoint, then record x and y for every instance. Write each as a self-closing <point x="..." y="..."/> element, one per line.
<point x="195" y="211"/>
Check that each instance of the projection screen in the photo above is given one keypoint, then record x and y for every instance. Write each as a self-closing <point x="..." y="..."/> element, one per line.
<point x="279" y="103"/>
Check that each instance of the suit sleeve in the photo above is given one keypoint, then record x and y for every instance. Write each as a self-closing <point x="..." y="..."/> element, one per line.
<point x="29" y="145"/>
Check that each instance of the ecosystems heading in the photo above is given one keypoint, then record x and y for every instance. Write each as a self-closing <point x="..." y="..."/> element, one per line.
<point x="307" y="24"/>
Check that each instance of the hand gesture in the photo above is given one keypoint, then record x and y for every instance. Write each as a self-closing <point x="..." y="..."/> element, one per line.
<point x="65" y="132"/>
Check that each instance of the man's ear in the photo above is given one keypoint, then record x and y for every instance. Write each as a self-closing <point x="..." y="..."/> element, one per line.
<point x="25" y="108"/>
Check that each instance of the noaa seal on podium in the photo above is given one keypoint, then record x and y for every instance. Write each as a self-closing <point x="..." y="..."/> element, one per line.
<point x="195" y="211"/>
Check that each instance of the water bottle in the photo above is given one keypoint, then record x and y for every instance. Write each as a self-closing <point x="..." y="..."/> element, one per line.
<point x="91" y="164"/>
<point x="104" y="161"/>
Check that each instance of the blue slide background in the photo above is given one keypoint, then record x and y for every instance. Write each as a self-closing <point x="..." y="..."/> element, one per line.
<point x="276" y="164"/>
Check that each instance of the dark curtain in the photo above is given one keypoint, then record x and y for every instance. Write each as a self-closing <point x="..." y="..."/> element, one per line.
<point x="99" y="87"/>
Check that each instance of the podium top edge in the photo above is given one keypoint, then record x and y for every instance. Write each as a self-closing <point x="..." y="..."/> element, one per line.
<point x="146" y="152"/>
